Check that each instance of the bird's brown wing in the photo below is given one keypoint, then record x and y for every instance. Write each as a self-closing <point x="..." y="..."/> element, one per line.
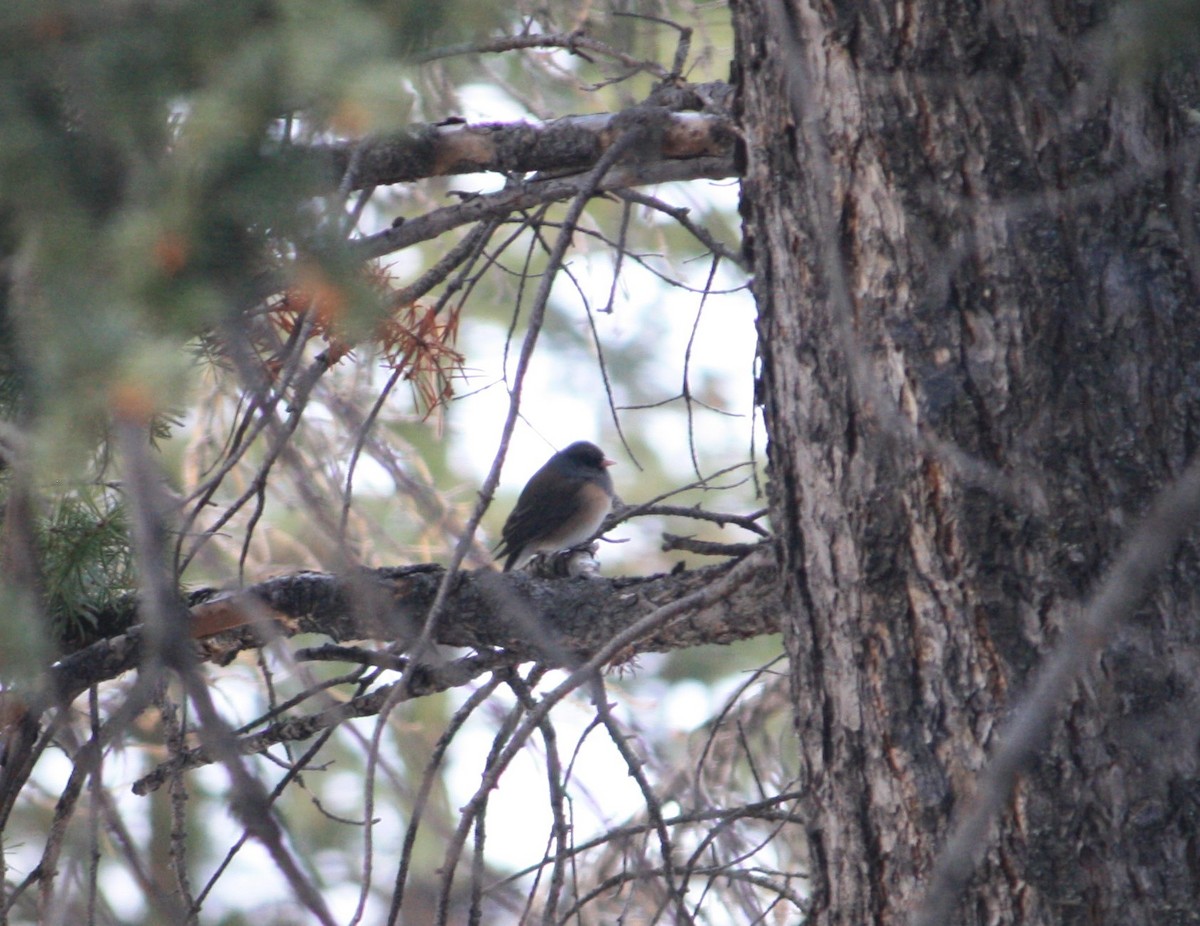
<point x="541" y="507"/>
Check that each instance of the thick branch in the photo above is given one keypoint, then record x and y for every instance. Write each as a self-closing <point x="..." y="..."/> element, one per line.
<point x="571" y="144"/>
<point x="554" y="621"/>
<point x="665" y="615"/>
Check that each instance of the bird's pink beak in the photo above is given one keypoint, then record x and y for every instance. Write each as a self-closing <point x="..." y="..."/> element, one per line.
<point x="607" y="462"/>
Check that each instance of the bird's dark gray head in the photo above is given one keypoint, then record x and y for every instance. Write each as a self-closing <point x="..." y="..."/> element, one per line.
<point x="587" y="454"/>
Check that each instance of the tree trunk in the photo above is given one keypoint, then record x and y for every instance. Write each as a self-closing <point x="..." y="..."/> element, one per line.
<point x="976" y="268"/>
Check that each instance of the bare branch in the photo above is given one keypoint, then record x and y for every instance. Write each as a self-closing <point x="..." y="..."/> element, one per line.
<point x="704" y="547"/>
<point x="575" y="42"/>
<point x="424" y="681"/>
<point x="747" y="522"/>
<point x="675" y="892"/>
<point x="681" y="214"/>
<point x="534" y="193"/>
<point x="571" y="144"/>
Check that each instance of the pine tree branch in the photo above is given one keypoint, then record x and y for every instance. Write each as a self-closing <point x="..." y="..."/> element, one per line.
<point x="569" y="145"/>
<point x="553" y="621"/>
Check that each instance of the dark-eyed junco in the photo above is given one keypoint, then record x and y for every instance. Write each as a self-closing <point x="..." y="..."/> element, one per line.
<point x="562" y="505"/>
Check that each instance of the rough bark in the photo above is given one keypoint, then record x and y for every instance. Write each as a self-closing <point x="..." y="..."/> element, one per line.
<point x="967" y="238"/>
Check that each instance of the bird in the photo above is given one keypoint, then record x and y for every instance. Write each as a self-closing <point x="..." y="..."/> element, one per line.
<point x="562" y="505"/>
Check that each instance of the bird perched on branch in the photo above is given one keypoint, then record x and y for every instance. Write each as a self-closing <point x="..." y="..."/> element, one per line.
<point x="563" y="504"/>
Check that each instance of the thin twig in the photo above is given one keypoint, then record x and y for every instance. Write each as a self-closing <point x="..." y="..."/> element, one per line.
<point x="745" y="521"/>
<point x="439" y="678"/>
<point x="705" y="547"/>
<point x="633" y="511"/>
<point x="682" y="215"/>
<point x="570" y="41"/>
<point x="428" y="779"/>
<point x="633" y="764"/>
<point x="686" y="386"/>
<point x="462" y="252"/>
<point x="278" y="790"/>
<point x="534" y="193"/>
<point x="167" y="645"/>
<point x="177" y="793"/>
<point x="656" y="619"/>
<point x="95" y="786"/>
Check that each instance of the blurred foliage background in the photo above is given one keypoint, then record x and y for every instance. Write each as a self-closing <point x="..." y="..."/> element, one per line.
<point x="163" y="260"/>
